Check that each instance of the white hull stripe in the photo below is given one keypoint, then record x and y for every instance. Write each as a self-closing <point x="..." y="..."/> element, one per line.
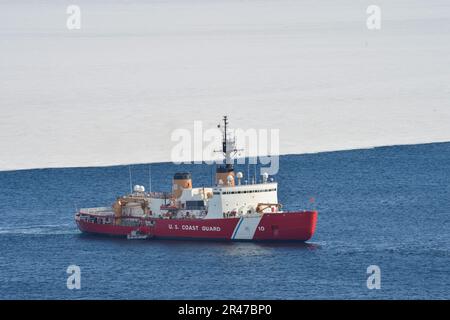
<point x="246" y="228"/>
<point x="236" y="228"/>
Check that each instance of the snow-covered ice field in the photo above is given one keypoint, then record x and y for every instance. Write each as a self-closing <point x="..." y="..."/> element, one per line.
<point x="113" y="91"/>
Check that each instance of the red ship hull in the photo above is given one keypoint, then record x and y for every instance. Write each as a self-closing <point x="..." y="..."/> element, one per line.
<point x="289" y="226"/>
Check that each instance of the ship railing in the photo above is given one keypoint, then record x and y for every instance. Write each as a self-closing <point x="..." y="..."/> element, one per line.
<point x="160" y="195"/>
<point x="95" y="210"/>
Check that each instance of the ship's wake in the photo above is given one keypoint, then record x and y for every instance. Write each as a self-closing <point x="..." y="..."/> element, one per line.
<point x="44" y="229"/>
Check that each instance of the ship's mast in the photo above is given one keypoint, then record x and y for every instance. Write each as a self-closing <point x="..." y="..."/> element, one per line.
<point x="228" y="145"/>
<point x="224" y="142"/>
<point x="224" y="171"/>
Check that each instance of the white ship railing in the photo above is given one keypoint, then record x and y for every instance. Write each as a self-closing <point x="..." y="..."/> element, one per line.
<point x="96" y="210"/>
<point x="159" y="195"/>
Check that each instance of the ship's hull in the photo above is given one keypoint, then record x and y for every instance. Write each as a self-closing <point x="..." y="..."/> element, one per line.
<point x="290" y="226"/>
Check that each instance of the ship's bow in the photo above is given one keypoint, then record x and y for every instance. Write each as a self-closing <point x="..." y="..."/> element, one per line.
<point x="289" y="226"/>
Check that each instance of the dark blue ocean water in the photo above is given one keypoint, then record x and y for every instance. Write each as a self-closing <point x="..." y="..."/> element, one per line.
<point x="385" y="206"/>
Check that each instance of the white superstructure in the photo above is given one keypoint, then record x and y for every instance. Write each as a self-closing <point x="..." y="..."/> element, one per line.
<point x="243" y="200"/>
